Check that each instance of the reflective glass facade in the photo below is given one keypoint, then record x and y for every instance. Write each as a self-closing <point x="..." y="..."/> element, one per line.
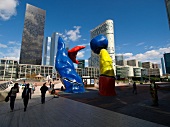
<point x="167" y="62"/>
<point x="33" y="34"/>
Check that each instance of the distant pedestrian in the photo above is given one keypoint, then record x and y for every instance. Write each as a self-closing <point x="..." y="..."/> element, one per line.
<point x="43" y="89"/>
<point x="134" y="88"/>
<point x="13" y="93"/>
<point x="26" y="95"/>
<point x="24" y="83"/>
<point x="153" y="92"/>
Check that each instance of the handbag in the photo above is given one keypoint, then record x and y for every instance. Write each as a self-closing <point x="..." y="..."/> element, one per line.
<point x="7" y="97"/>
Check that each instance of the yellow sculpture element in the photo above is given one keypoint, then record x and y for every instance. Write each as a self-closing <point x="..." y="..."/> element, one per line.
<point x="106" y="67"/>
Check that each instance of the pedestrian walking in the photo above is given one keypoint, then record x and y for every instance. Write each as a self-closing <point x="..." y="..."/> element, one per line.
<point x="134" y="88"/>
<point x="43" y="89"/>
<point x="12" y="94"/>
<point x="153" y="92"/>
<point x="26" y="95"/>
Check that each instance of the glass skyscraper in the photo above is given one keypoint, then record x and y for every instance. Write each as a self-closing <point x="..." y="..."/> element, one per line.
<point x="33" y="34"/>
<point x="167" y="62"/>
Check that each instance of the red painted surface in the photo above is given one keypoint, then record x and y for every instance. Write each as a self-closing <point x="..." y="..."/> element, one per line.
<point x="107" y="86"/>
<point x="73" y="52"/>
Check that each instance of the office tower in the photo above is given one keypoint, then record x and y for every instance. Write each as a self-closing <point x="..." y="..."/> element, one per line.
<point x="106" y="29"/>
<point x="163" y="66"/>
<point x="53" y="47"/>
<point x="32" y="37"/>
<point x="46" y="51"/>
<point x="167" y="62"/>
<point x="81" y="64"/>
<point x="167" y="5"/>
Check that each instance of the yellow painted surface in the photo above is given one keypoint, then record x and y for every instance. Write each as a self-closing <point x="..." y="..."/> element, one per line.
<point x="106" y="67"/>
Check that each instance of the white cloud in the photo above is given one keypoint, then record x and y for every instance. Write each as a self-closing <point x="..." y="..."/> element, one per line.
<point x="149" y="56"/>
<point x="139" y="44"/>
<point x="12" y="53"/>
<point x="11" y="42"/>
<point x="125" y="44"/>
<point x="80" y="54"/>
<point x="86" y="61"/>
<point x="74" y="35"/>
<point x="3" y="46"/>
<point x="151" y="47"/>
<point x="85" y="44"/>
<point x="8" y="8"/>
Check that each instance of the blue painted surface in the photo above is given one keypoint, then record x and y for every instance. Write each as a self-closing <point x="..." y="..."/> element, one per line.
<point x="65" y="67"/>
<point x="98" y="43"/>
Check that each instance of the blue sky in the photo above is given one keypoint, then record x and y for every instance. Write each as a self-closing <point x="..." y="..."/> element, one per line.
<point x="141" y="28"/>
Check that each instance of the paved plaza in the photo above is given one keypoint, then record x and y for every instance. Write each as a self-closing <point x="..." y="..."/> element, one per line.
<point x="89" y="109"/>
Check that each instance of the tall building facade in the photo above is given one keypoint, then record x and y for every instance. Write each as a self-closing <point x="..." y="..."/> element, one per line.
<point x="167" y="62"/>
<point x="81" y="64"/>
<point x="167" y="5"/>
<point x="32" y="37"/>
<point x="107" y="29"/>
<point x="163" y="66"/>
<point x="53" y="47"/>
<point x="46" y="51"/>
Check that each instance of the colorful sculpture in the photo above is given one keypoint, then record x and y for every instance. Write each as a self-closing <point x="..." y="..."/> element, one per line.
<point x="73" y="52"/>
<point x="107" y="76"/>
<point x="64" y="66"/>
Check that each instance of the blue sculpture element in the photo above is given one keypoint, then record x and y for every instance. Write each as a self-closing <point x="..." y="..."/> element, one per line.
<point x="98" y="43"/>
<point x="64" y="65"/>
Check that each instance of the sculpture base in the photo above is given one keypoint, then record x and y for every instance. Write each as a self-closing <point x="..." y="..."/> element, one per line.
<point x="107" y="86"/>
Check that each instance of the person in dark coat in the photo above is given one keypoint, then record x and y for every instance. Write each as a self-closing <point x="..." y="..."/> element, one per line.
<point x="134" y="88"/>
<point x="26" y="95"/>
<point x="13" y="93"/>
<point x="43" y="89"/>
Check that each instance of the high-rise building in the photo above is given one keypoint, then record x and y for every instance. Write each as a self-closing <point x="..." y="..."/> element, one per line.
<point x="46" y="51"/>
<point x="167" y="62"/>
<point x="32" y="37"/>
<point x="107" y="29"/>
<point x="167" y="5"/>
<point x="81" y="64"/>
<point x="163" y="66"/>
<point x="53" y="47"/>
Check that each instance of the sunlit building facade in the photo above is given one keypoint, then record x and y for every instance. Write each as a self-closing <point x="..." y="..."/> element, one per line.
<point x="107" y="29"/>
<point x="8" y="69"/>
<point x="33" y="35"/>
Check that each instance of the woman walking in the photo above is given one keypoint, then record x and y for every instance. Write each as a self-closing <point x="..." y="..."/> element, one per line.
<point x="13" y="93"/>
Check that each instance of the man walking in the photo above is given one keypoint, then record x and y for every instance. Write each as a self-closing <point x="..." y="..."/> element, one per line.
<point x="134" y="88"/>
<point x="26" y="95"/>
<point x="43" y="89"/>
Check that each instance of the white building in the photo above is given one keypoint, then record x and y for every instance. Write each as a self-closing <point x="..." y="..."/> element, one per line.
<point x="107" y="29"/>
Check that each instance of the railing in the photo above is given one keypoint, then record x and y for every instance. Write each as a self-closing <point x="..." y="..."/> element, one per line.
<point x="4" y="85"/>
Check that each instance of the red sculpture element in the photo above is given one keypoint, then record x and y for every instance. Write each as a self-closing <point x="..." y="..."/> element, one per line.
<point x="107" y="86"/>
<point x="73" y="52"/>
